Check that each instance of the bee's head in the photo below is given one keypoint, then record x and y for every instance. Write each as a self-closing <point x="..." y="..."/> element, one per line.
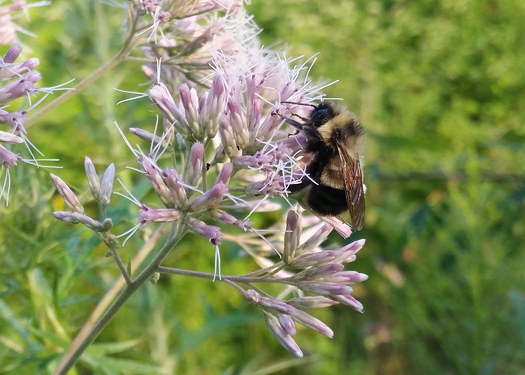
<point x="321" y="114"/>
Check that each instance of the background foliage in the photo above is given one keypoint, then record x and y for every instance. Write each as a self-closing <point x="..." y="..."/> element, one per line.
<point x="439" y="86"/>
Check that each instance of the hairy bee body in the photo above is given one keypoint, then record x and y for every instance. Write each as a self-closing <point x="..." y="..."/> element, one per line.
<point x="335" y="182"/>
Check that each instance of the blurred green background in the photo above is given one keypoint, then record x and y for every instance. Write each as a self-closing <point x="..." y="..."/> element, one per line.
<point x="439" y="86"/>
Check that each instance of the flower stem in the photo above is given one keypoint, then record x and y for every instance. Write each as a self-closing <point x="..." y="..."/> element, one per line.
<point x="122" y="268"/>
<point x="122" y="298"/>
<point x="109" y="296"/>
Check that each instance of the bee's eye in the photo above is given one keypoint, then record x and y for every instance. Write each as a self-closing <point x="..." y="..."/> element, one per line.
<point x="321" y="116"/>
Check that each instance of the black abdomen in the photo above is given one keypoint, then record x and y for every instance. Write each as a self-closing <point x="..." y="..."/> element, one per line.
<point x="325" y="200"/>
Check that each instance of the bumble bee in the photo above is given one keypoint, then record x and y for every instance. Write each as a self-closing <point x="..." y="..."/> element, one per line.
<point x="335" y="178"/>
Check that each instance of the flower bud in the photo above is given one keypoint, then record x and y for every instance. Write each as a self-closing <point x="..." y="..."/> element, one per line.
<point x="269" y="304"/>
<point x="226" y="218"/>
<point x="190" y="103"/>
<point x="214" y="106"/>
<point x="315" y="302"/>
<point x="152" y="173"/>
<point x="287" y="323"/>
<point x="67" y="216"/>
<point x="107" y="185"/>
<point x="292" y="235"/>
<point x="282" y="336"/>
<point x="160" y="215"/>
<point x="228" y="139"/>
<point x="178" y="193"/>
<point x="196" y="163"/>
<point x="67" y="195"/>
<point x="11" y="138"/>
<point x="76" y="218"/>
<point x="12" y="53"/>
<point x="145" y="135"/>
<point x="8" y="158"/>
<point x="349" y="301"/>
<point x="225" y="174"/>
<point x="238" y="123"/>
<point x="95" y="225"/>
<point x="15" y="120"/>
<point x="210" y="198"/>
<point x="309" y="321"/>
<point x="323" y="272"/>
<point x="340" y="226"/>
<point x="92" y="177"/>
<point x="160" y="95"/>
<point x="314" y="241"/>
<point x="347" y="253"/>
<point x="314" y="259"/>
<point x="325" y="288"/>
<point x="211" y="233"/>
<point x="155" y="278"/>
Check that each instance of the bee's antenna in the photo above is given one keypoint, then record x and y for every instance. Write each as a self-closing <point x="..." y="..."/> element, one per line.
<point x="301" y="117"/>
<point x="305" y="104"/>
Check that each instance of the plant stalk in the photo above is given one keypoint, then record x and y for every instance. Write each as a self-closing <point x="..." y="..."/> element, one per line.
<point x="121" y="300"/>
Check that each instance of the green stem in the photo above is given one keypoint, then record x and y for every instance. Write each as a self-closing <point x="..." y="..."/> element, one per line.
<point x="122" y="268"/>
<point x="121" y="299"/>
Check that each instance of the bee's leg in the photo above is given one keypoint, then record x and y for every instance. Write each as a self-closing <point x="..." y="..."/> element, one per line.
<point x="295" y="124"/>
<point x="312" y="132"/>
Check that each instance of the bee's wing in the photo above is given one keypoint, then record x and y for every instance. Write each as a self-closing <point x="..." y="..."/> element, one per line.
<point x="353" y="184"/>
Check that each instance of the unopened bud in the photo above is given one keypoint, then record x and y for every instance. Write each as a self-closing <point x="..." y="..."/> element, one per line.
<point x="92" y="177"/>
<point x="67" y="194"/>
<point x="210" y="199"/>
<point x="107" y="185"/>
<point x="225" y="174"/>
<point x="214" y="106"/>
<point x="160" y="215"/>
<point x="292" y="235"/>
<point x="66" y="216"/>
<point x="268" y="304"/>
<point x="314" y="259"/>
<point x="309" y="321"/>
<point x="347" y="253"/>
<point x="151" y="171"/>
<point x="287" y="323"/>
<point x="145" y="135"/>
<point x="282" y="336"/>
<point x="178" y="192"/>
<point x="12" y="53"/>
<point x="323" y="272"/>
<point x="315" y="302"/>
<point x="315" y="240"/>
<point x="229" y="219"/>
<point x="210" y="232"/>
<point x="325" y="288"/>
<point x="8" y="158"/>
<point x="349" y="301"/>
<point x="190" y="102"/>
<point x="155" y="277"/>
<point x="231" y="149"/>
<point x="11" y="138"/>
<point x="196" y="163"/>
